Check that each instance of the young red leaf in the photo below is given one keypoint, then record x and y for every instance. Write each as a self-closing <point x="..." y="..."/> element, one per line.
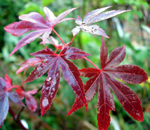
<point x="31" y="102"/>
<point x="31" y="62"/>
<point x="29" y="99"/>
<point x="93" y="17"/>
<point x="54" y="42"/>
<point x="34" y="21"/>
<point x="104" y="79"/>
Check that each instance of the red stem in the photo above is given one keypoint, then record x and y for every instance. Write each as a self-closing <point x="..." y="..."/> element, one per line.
<point x="91" y="62"/>
<point x="15" y="118"/>
<point x="59" y="37"/>
<point x="72" y="39"/>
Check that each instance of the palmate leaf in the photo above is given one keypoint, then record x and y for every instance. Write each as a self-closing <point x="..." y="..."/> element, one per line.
<point x="37" y="24"/>
<point x="93" y="17"/>
<point x="29" y="99"/>
<point x="53" y="64"/>
<point x="5" y="93"/>
<point x="104" y="79"/>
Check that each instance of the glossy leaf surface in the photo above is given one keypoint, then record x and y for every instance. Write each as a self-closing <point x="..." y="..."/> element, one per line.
<point x="5" y="93"/>
<point x="36" y="23"/>
<point x="29" y="99"/>
<point x="52" y="66"/>
<point x="93" y="17"/>
<point x="104" y="80"/>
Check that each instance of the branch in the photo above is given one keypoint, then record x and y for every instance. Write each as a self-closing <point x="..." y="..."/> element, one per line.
<point x="59" y="37"/>
<point x="13" y="114"/>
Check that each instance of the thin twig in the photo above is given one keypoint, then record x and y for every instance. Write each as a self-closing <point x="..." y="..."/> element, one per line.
<point x="91" y="62"/>
<point x="13" y="114"/>
<point x="38" y="90"/>
<point x="59" y="37"/>
<point x="19" y="113"/>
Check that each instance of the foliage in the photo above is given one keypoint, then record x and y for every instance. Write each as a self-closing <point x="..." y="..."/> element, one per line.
<point x="44" y="58"/>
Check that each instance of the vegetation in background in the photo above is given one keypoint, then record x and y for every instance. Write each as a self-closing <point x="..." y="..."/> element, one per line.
<point x="134" y="29"/>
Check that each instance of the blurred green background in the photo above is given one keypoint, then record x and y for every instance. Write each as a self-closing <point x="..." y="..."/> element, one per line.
<point x="131" y="29"/>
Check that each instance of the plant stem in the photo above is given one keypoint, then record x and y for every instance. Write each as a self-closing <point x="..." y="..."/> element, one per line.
<point x="91" y="62"/>
<point x="38" y="90"/>
<point x="70" y="41"/>
<point x="59" y="37"/>
<point x="18" y="115"/>
<point x="15" y="118"/>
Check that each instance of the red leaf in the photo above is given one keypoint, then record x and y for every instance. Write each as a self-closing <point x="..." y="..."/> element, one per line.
<point x="90" y="89"/>
<point x="127" y="98"/>
<point x="103" y="53"/>
<point x="69" y="70"/>
<point x="34" y="17"/>
<point x="115" y="57"/>
<point x="26" y="40"/>
<point x="89" y="72"/>
<point x="31" y="62"/>
<point x="105" y="103"/>
<point x="4" y="102"/>
<point x="39" y="71"/>
<point x="128" y="73"/>
<point x="50" y="87"/>
<point x="31" y="102"/>
<point x="104" y="79"/>
<point x="29" y="99"/>
<point x="72" y="75"/>
<point x="44" y="54"/>
<point x="63" y="14"/>
<point x="34" y="21"/>
<point x="4" y="106"/>
<point x="8" y="81"/>
<point x="49" y="14"/>
<point x="21" y="27"/>
<point x="73" y="53"/>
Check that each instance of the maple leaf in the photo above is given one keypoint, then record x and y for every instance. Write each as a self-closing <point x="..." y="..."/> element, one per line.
<point x="93" y="17"/>
<point x="5" y="92"/>
<point x="31" y="62"/>
<point x="29" y="99"/>
<point x="37" y="24"/>
<point x="53" y="64"/>
<point x="104" y="79"/>
<point x="54" y="42"/>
